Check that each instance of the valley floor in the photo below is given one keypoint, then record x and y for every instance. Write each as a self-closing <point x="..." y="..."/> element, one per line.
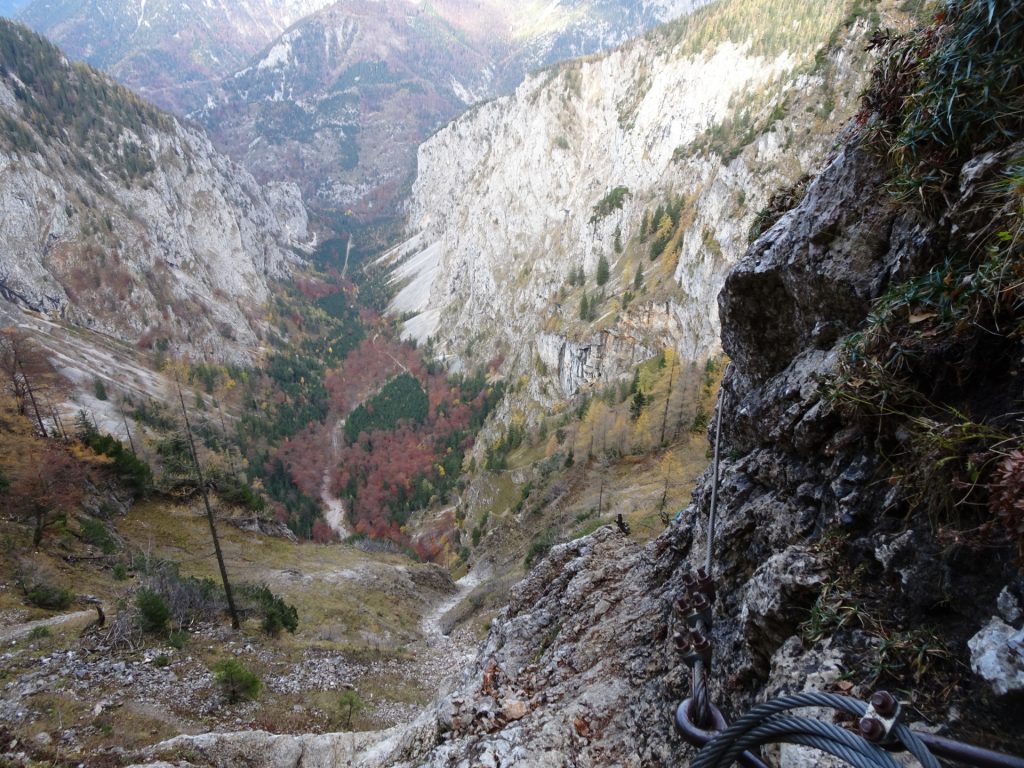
<point x="371" y="623"/>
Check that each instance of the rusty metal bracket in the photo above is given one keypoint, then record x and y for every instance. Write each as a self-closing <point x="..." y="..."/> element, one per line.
<point x="697" y="737"/>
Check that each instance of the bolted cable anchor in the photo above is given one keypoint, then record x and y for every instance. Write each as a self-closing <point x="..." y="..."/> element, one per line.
<point x="692" y="646"/>
<point x="706" y="584"/>
<point x="882" y="715"/>
<point x="681" y="607"/>
<point x="700" y="611"/>
<point x="694" y="604"/>
<point x="701" y="646"/>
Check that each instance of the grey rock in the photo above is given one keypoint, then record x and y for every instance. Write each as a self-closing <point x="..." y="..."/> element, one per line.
<point x="997" y="656"/>
<point x="42" y="739"/>
<point x="1010" y="606"/>
<point x="193" y="244"/>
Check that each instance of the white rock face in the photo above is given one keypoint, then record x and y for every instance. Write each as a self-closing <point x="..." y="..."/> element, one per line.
<point x="137" y="227"/>
<point x="177" y="256"/>
<point x="502" y="208"/>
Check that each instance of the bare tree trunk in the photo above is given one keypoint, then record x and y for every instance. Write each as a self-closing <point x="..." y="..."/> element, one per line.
<point x="209" y="516"/>
<point x="127" y="431"/>
<point x="668" y="399"/>
<point x="32" y="397"/>
<point x="58" y="422"/>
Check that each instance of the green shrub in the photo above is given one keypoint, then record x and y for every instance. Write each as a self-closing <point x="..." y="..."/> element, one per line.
<point x="96" y="533"/>
<point x="48" y="596"/>
<point x="610" y="203"/>
<point x="39" y="633"/>
<point x="162" y="661"/>
<point x="236" y="682"/>
<point x="602" y="270"/>
<point x="153" y="612"/>
<point x="539" y="549"/>
<point x="232" y="491"/>
<point x="130" y="469"/>
<point x="351" y="704"/>
<point x="277" y="614"/>
<point x="120" y="572"/>
<point x="178" y="640"/>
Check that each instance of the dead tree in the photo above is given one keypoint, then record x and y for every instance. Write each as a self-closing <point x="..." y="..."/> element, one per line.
<point x="209" y="515"/>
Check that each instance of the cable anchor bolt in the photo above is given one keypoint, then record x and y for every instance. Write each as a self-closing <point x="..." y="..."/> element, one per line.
<point x="882" y="715"/>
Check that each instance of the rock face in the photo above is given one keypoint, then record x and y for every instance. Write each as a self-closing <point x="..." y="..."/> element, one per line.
<point x="512" y="199"/>
<point x="582" y="655"/>
<point x="334" y="96"/>
<point x="119" y="218"/>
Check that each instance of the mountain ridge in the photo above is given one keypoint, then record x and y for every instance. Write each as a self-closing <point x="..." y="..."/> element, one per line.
<point x="120" y="218"/>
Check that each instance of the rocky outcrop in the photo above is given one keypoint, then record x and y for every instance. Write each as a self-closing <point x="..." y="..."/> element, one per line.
<point x="507" y="204"/>
<point x="135" y="227"/>
<point x="580" y="669"/>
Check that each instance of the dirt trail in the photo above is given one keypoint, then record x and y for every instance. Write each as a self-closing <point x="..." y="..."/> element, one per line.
<point x="20" y="630"/>
<point x="334" y="512"/>
<point x="443" y="654"/>
<point x="430" y="625"/>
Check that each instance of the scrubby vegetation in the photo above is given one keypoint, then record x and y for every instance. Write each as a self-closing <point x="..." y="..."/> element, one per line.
<point x="633" y="447"/>
<point x="236" y="682"/>
<point x="952" y="435"/>
<point x="610" y="203"/>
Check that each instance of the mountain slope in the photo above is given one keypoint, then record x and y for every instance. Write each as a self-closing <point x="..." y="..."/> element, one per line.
<point x="339" y="102"/>
<point x="652" y="159"/>
<point x="168" y="50"/>
<point x="119" y="218"/>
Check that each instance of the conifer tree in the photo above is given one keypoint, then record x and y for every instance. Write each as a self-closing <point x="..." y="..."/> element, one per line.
<point x="602" y="270"/>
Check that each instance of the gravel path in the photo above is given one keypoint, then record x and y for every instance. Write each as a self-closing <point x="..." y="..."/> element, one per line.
<point x="20" y="630"/>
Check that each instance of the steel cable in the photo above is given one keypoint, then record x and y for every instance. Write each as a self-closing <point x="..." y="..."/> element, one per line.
<point x="713" y="513"/>
<point x="701" y="696"/>
<point x="824" y="736"/>
<point x="762" y="724"/>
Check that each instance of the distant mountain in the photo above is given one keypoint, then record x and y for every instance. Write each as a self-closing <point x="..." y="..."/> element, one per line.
<point x="340" y="101"/>
<point x="170" y="51"/>
<point x="118" y="218"/>
<point x="335" y="97"/>
<point x="647" y="164"/>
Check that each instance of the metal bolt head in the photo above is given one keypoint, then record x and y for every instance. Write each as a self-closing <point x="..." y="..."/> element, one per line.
<point x="681" y="606"/>
<point x="699" y="602"/>
<point x="884" y="703"/>
<point x="871" y="729"/>
<point x="682" y="642"/>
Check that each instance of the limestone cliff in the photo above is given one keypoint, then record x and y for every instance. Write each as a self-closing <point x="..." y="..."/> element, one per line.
<point x="516" y="197"/>
<point x="120" y="218"/>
